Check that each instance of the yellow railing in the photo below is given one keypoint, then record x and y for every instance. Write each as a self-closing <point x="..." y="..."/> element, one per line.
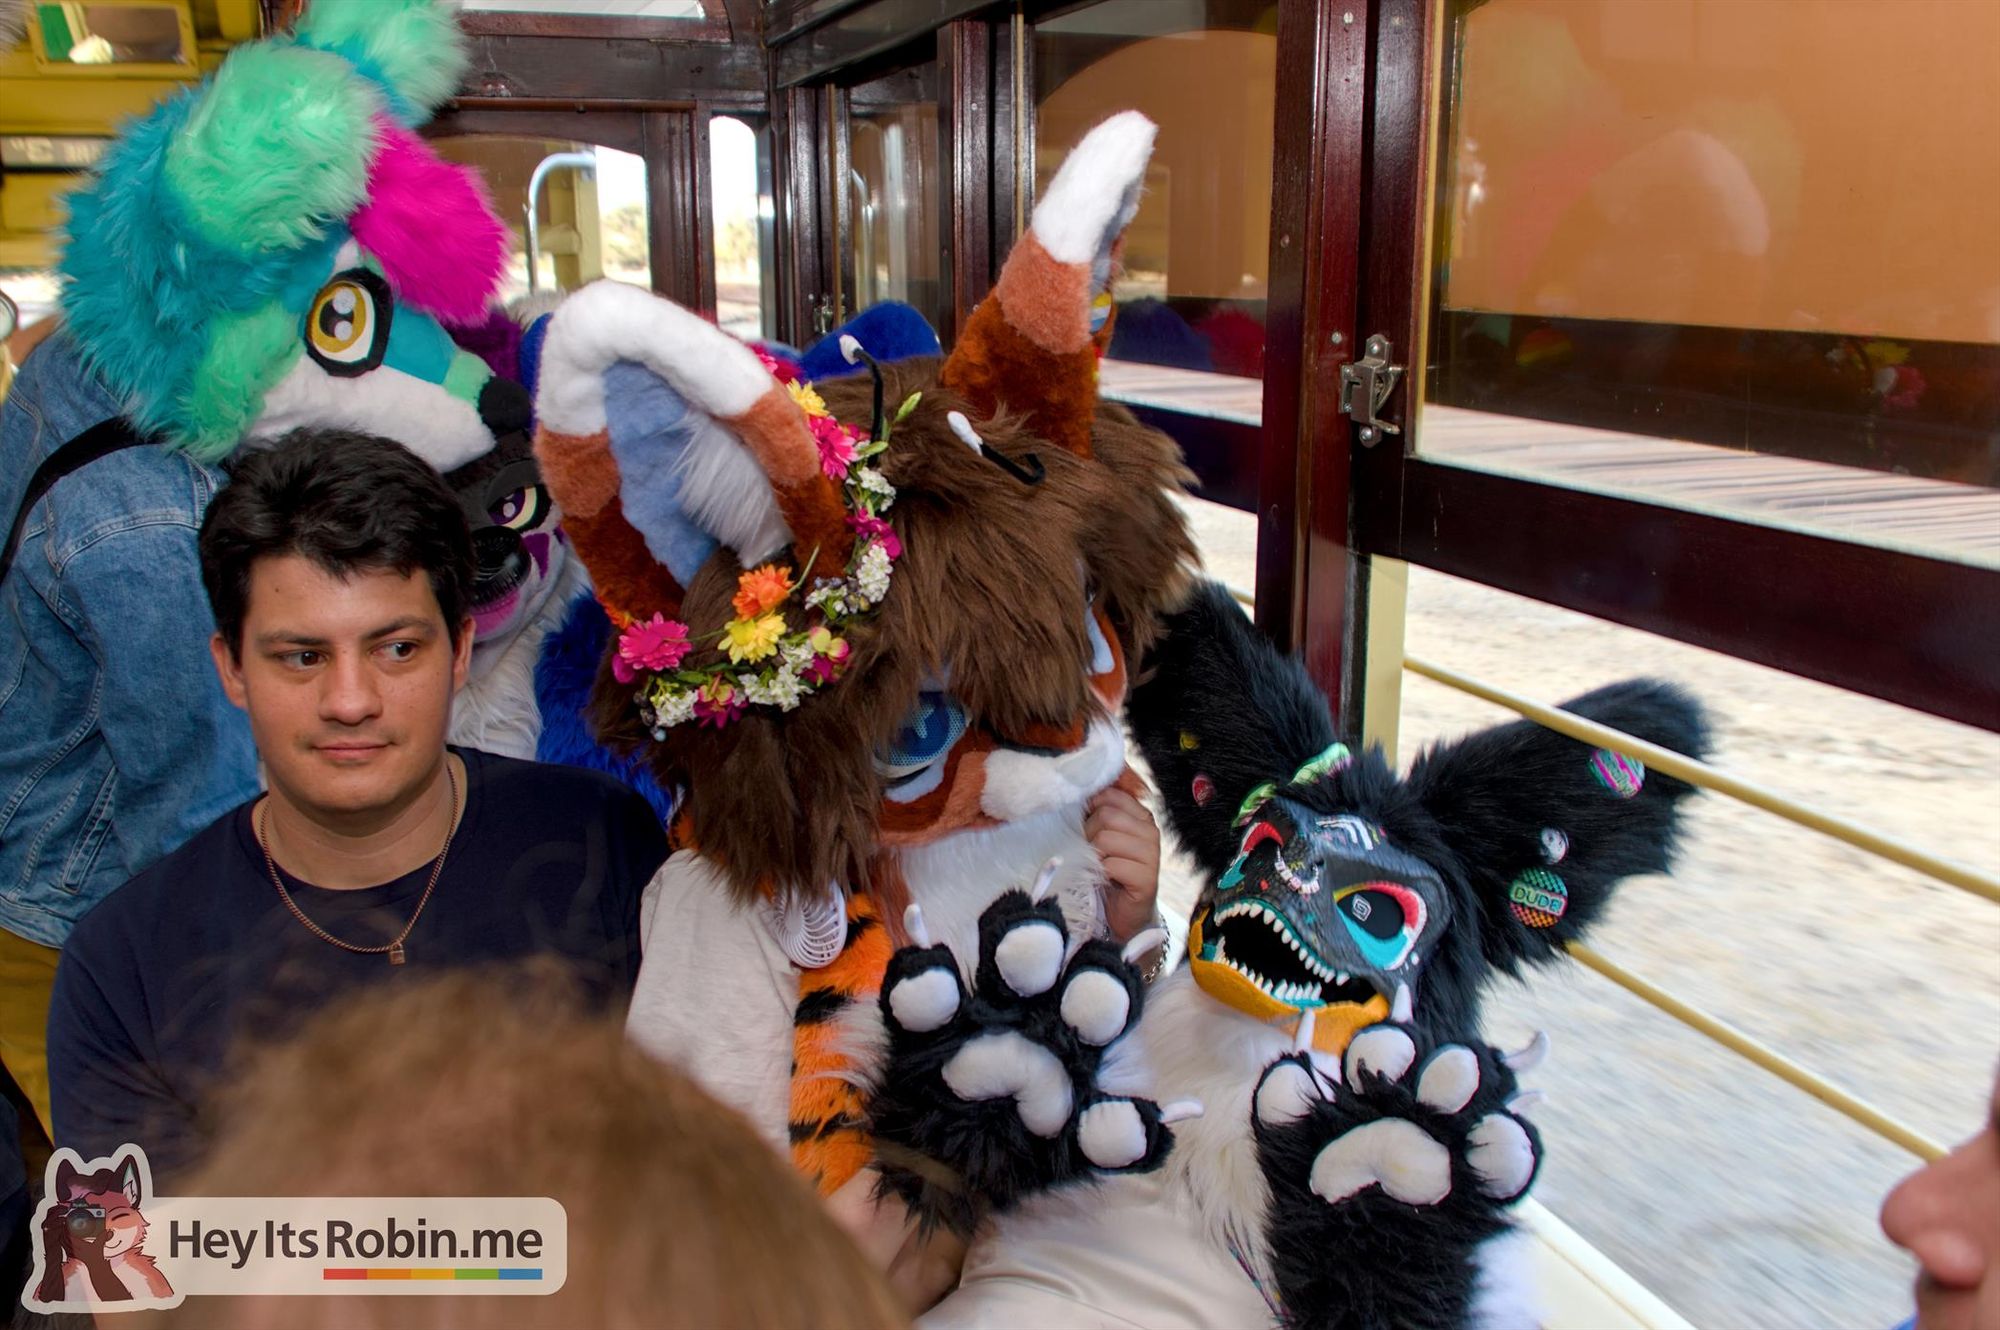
<point x="1721" y="782"/>
<point x="1709" y="778"/>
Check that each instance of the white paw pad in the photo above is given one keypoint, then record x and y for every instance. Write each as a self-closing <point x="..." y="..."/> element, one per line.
<point x="1410" y="1164"/>
<point x="1449" y="1079"/>
<point x="925" y="1001"/>
<point x="1112" y="1134"/>
<point x="1096" y="1006"/>
<point x="1381" y="1049"/>
<point x="1002" y="1066"/>
<point x="1287" y="1094"/>
<point x="1502" y="1155"/>
<point x="1030" y="957"/>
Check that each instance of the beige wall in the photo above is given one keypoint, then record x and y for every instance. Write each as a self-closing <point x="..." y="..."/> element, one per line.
<point x="1821" y="165"/>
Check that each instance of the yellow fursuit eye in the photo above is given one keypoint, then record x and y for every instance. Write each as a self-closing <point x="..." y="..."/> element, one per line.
<point x="347" y="328"/>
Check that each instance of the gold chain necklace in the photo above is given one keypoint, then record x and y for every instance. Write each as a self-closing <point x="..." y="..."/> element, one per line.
<point x="394" y="947"/>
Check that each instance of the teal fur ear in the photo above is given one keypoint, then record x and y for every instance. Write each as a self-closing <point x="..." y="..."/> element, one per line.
<point x="275" y="149"/>
<point x="412" y="48"/>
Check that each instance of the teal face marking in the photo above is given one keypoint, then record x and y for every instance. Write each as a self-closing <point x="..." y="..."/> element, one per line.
<point x="1319" y="908"/>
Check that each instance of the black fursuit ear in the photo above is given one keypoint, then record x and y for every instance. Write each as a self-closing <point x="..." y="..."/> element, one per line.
<point x="1545" y="826"/>
<point x="1218" y="712"/>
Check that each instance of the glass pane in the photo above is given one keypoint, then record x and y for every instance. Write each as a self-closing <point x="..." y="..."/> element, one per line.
<point x="602" y="8"/>
<point x="1682" y="257"/>
<point x="893" y="204"/>
<point x="591" y="221"/>
<point x="740" y="196"/>
<point x="1191" y="302"/>
<point x="87" y="34"/>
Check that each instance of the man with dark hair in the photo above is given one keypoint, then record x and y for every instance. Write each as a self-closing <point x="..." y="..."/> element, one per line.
<point x="337" y="566"/>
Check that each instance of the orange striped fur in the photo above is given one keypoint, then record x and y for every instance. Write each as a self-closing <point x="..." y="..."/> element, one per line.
<point x="828" y="1112"/>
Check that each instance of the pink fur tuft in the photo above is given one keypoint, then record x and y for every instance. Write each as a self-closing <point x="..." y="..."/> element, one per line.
<point x="431" y="226"/>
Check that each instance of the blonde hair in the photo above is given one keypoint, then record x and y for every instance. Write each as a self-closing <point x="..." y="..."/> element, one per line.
<point x="470" y="1085"/>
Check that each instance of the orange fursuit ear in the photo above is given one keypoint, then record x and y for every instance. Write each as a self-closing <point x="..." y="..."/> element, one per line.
<point x="1031" y="346"/>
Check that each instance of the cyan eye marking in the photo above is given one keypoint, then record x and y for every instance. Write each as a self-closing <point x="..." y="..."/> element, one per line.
<point x="1383" y="918"/>
<point x="913" y="762"/>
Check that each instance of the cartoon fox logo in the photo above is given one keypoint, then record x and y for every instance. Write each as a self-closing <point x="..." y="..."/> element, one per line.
<point x="92" y="1234"/>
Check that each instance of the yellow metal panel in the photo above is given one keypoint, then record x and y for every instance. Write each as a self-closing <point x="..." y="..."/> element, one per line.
<point x="1382" y="653"/>
<point x="28" y="204"/>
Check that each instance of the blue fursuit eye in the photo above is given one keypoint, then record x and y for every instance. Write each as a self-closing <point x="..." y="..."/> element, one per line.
<point x="913" y="762"/>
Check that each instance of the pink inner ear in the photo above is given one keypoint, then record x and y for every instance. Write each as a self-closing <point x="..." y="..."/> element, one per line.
<point x="431" y="226"/>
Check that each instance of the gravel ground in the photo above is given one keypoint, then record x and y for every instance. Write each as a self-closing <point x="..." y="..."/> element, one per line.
<point x="1741" y="1201"/>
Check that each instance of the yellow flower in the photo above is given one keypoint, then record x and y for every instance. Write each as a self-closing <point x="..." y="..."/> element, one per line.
<point x="754" y="639"/>
<point x="809" y="401"/>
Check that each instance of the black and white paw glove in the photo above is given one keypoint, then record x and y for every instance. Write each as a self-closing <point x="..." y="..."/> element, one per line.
<point x="991" y="1094"/>
<point x="1387" y="1168"/>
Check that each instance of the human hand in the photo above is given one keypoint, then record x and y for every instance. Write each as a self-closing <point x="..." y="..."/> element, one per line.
<point x="1127" y="841"/>
<point x="920" y="1268"/>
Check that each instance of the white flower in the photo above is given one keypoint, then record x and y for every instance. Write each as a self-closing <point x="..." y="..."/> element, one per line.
<point x="784" y="689"/>
<point x="873" y="482"/>
<point x="830" y="597"/>
<point x="798" y="655"/>
<point x="671" y="706"/>
<point x="871" y="575"/>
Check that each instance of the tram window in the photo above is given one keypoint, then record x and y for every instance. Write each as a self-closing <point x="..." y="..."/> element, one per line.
<point x="601" y="8"/>
<point x="893" y="209"/>
<point x="589" y="223"/>
<point x="1197" y="255"/>
<point x="740" y="199"/>
<point x="112" y="34"/>
<point x="1680" y="260"/>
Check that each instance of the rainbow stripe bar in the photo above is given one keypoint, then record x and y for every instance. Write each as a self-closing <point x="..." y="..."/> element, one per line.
<point x="429" y="1272"/>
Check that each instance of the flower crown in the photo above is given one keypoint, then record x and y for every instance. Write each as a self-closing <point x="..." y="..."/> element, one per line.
<point x="771" y="659"/>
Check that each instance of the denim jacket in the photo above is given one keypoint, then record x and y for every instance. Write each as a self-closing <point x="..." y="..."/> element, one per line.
<point x="116" y="742"/>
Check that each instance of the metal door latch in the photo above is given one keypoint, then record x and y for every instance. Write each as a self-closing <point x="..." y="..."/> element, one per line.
<point x="1365" y="385"/>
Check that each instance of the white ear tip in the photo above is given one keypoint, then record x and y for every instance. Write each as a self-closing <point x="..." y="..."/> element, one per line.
<point x="963" y="429"/>
<point x="850" y="348"/>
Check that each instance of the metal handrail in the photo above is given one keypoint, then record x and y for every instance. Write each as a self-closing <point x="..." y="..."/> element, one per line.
<point x="1694" y="772"/>
<point x="1763" y="1055"/>
<point x="555" y="161"/>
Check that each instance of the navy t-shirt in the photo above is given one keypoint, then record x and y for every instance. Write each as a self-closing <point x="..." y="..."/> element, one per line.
<point x="158" y="982"/>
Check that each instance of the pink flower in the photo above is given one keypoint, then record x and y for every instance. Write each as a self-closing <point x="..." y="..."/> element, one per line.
<point x="779" y="370"/>
<point x="836" y="445"/>
<point x="656" y="645"/>
<point x="717" y="702"/>
<point x="879" y="530"/>
<point x="830" y="654"/>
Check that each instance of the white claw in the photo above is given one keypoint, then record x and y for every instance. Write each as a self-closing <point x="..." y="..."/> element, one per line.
<point x="1142" y="942"/>
<point x="1526" y="1100"/>
<point x="963" y="429"/>
<point x="913" y="924"/>
<point x="850" y="349"/>
<point x="1181" y="1110"/>
<point x="1405" y="1007"/>
<point x="1531" y="1057"/>
<point x="1302" y="1039"/>
<point x="1048" y="873"/>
